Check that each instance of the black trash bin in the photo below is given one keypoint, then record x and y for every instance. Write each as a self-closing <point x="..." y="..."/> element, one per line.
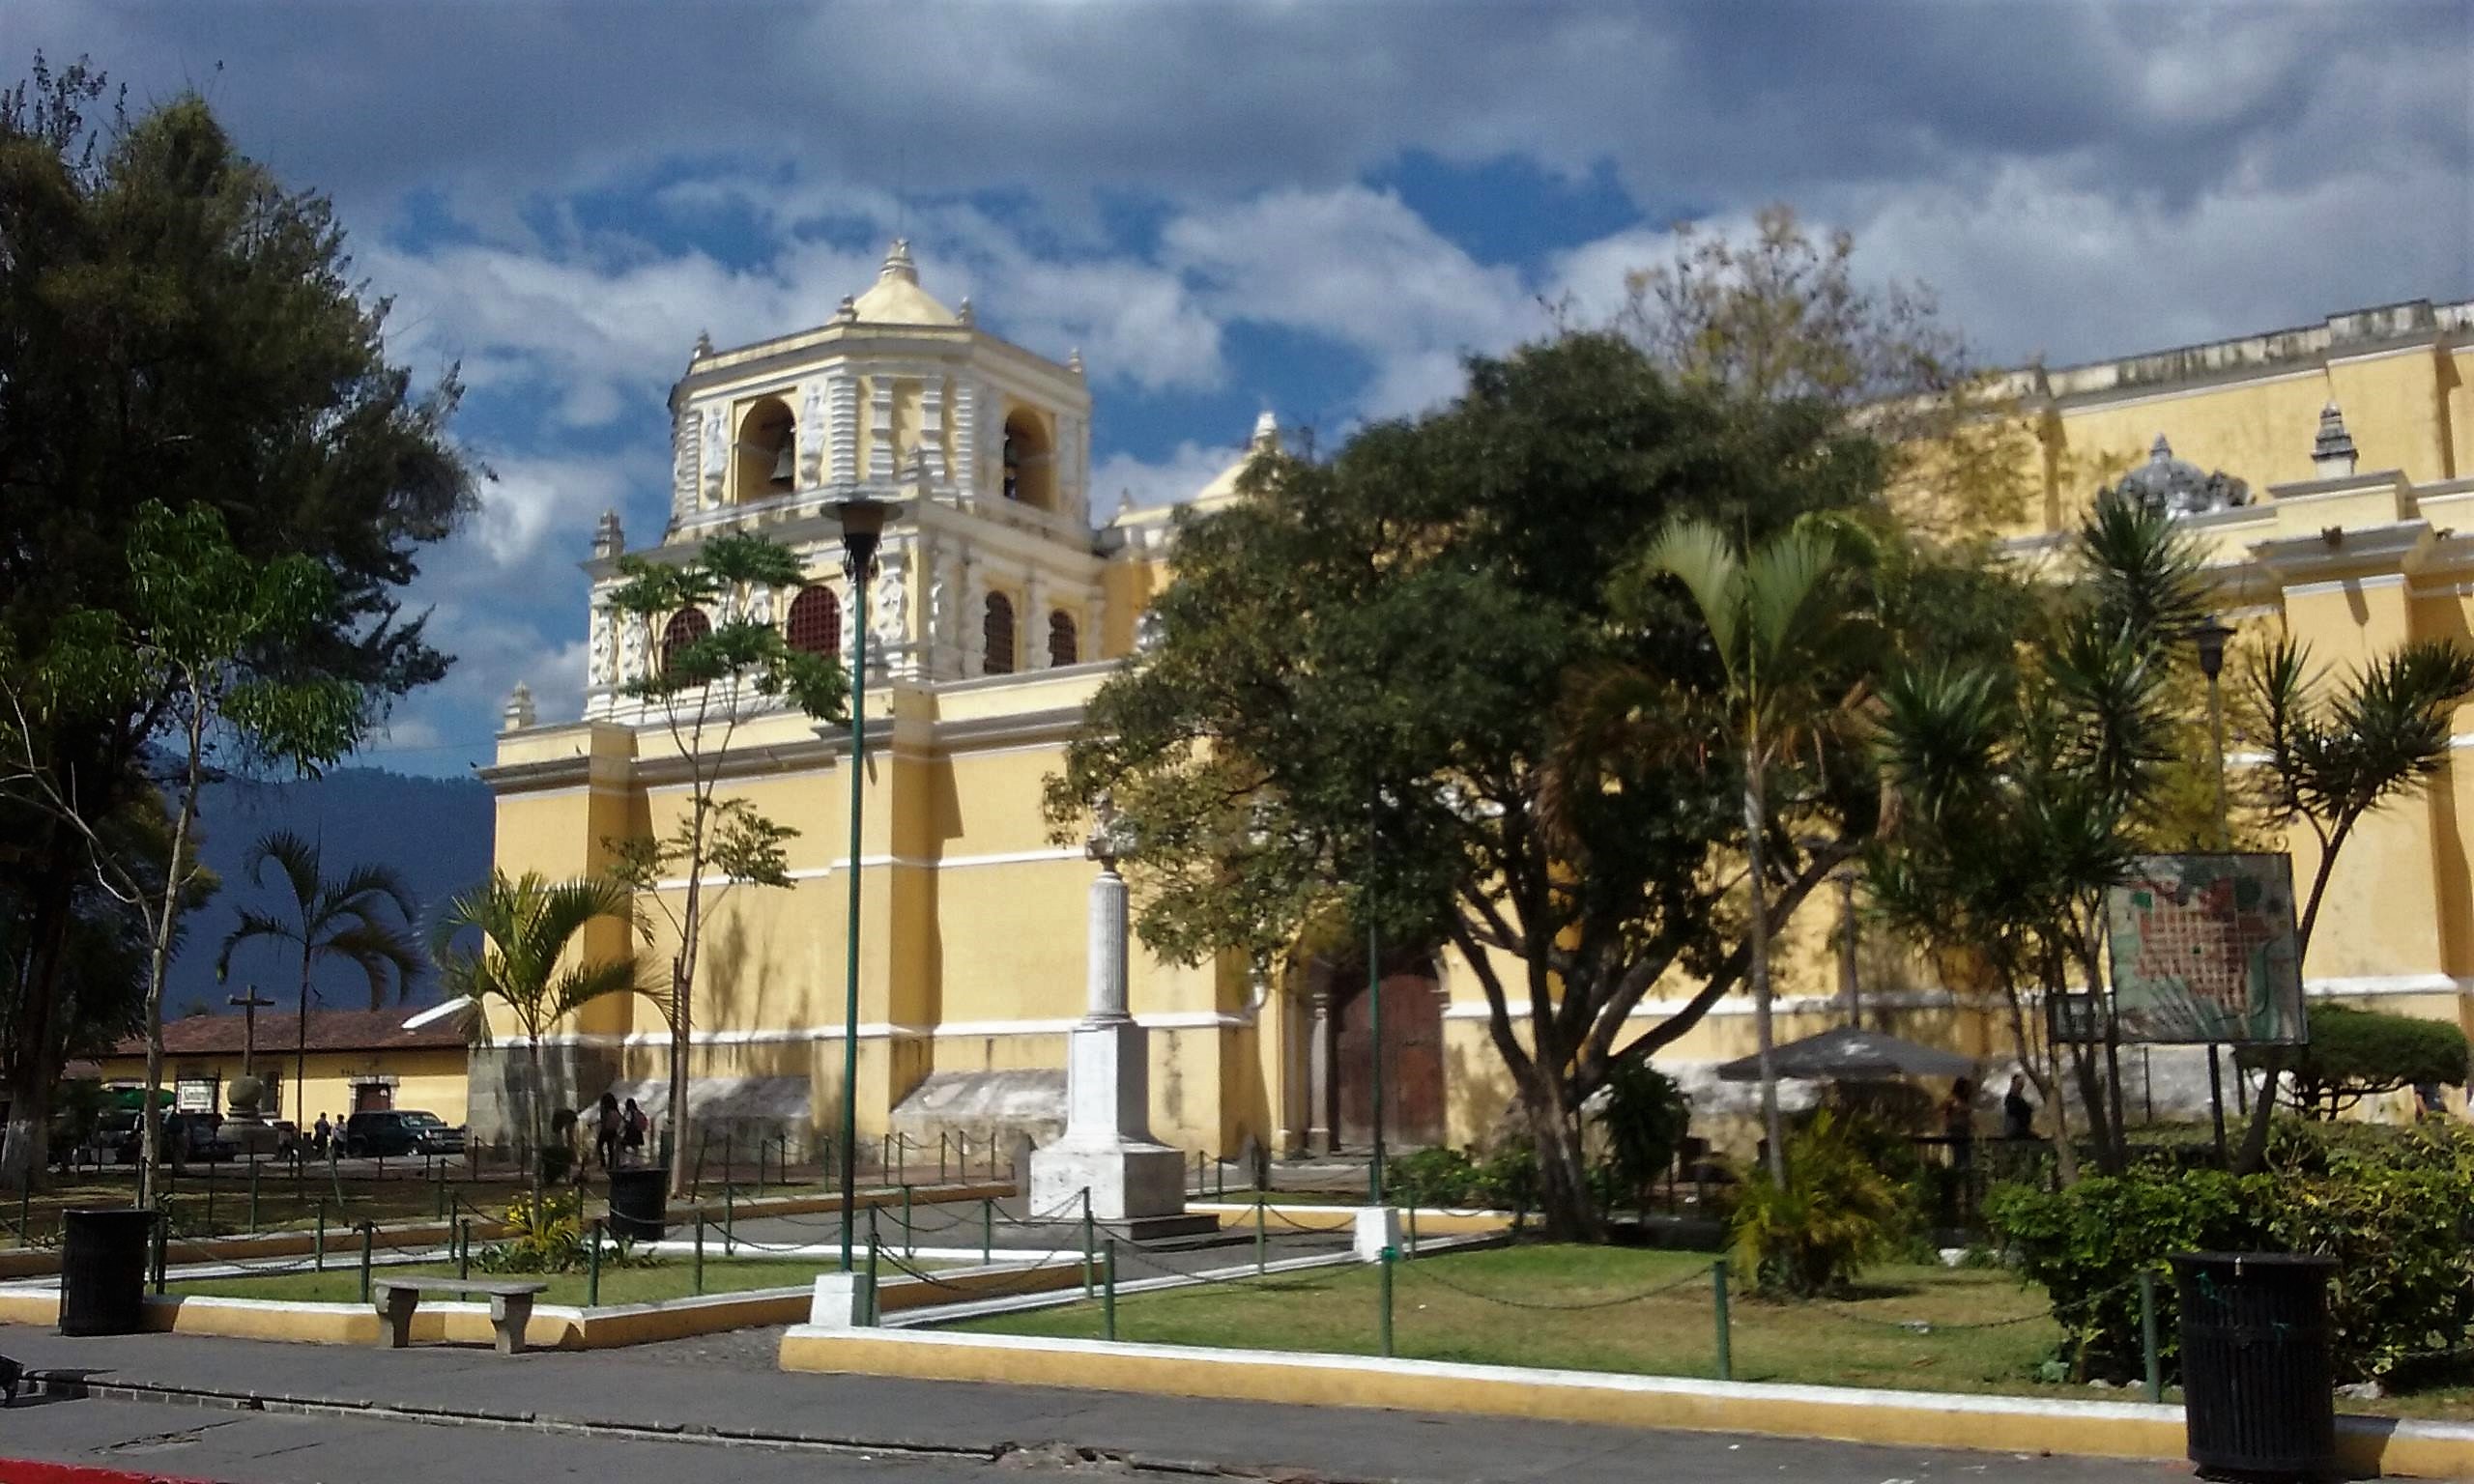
<point x="102" y="1270"/>
<point x="2258" y="1363"/>
<point x="639" y="1202"/>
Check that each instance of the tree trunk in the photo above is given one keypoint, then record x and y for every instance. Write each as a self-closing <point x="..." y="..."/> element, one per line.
<point x="175" y="877"/>
<point x="682" y="1008"/>
<point x="1755" y="814"/>
<point x="1563" y="1205"/>
<point x="34" y="1067"/>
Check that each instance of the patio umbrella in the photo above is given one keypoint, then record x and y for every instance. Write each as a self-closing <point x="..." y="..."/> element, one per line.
<point x="1846" y="1055"/>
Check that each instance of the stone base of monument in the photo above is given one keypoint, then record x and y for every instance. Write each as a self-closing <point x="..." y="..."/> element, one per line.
<point x="1138" y="1190"/>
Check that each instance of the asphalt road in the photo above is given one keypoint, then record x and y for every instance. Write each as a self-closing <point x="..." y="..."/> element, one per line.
<point x="556" y="1415"/>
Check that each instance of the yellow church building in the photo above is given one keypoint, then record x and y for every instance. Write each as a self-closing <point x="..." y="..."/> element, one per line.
<point x="2329" y="470"/>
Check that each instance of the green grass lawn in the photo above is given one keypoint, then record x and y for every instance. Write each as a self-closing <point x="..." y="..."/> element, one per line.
<point x="675" y="1278"/>
<point x="1437" y="1316"/>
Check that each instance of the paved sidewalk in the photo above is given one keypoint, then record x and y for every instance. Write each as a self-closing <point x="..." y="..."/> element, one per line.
<point x="627" y="1390"/>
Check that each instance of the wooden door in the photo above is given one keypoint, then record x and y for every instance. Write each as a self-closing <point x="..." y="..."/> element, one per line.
<point x="372" y="1097"/>
<point x="1413" y="1113"/>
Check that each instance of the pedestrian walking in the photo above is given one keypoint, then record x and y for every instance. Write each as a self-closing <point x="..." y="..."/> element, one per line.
<point x="325" y="1132"/>
<point x="605" y="1130"/>
<point x="1958" y="1122"/>
<point x="632" y="1130"/>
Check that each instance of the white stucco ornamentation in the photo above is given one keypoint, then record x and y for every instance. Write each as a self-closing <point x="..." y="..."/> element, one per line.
<point x="684" y="458"/>
<point x="932" y="428"/>
<point x="716" y="445"/>
<point x="634" y="644"/>
<point x="760" y="604"/>
<point x="811" y="435"/>
<point x="842" y="427"/>
<point x="600" y="670"/>
<point x="888" y="606"/>
<point x="881" y="434"/>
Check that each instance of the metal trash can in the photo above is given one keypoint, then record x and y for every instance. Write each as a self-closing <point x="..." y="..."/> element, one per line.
<point x="639" y="1203"/>
<point x="2259" y="1364"/>
<point x="102" y="1270"/>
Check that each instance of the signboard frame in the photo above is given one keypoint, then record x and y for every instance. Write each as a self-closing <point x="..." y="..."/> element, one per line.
<point x="2231" y="916"/>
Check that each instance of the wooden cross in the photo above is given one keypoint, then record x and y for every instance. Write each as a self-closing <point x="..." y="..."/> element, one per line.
<point x="250" y="1004"/>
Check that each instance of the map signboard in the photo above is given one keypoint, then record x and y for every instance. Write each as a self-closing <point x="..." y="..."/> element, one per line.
<point x="2204" y="950"/>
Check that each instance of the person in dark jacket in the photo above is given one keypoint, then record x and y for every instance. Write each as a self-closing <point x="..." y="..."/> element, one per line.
<point x="2018" y="1114"/>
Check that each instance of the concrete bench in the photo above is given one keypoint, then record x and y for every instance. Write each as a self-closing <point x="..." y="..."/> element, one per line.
<point x="510" y="1305"/>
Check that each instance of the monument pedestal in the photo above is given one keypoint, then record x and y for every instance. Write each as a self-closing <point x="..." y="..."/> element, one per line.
<point x="1136" y="1184"/>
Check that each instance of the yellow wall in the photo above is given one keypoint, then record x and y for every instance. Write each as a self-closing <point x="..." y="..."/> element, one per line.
<point x="432" y="1080"/>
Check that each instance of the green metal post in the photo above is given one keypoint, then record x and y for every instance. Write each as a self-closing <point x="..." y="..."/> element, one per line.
<point x="699" y="1253"/>
<point x="254" y="1197"/>
<point x="441" y="1191"/>
<point x="209" y="1197"/>
<point x="26" y="1211"/>
<point x="464" y="1248"/>
<point x="861" y="558"/>
<point x="942" y="1139"/>
<point x="1086" y="1241"/>
<point x="1726" y="1341"/>
<point x="2147" y="1337"/>
<point x="871" y="1309"/>
<point x="593" y="1270"/>
<point x="318" y="1258"/>
<point x="368" y="1248"/>
<point x="872" y="1243"/>
<point x="730" y="1223"/>
<point x="1374" y="1000"/>
<point x="1109" y="1294"/>
<point x="163" y="1246"/>
<point x="909" y="1240"/>
<point x="1387" y="1301"/>
<point x="1412" y="1249"/>
<point x="987" y="1228"/>
<point x="1262" y="1237"/>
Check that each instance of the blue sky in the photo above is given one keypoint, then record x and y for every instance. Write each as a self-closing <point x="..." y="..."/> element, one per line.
<point x="1315" y="207"/>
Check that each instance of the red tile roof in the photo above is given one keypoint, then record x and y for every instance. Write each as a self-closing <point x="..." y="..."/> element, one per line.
<point x="330" y="1030"/>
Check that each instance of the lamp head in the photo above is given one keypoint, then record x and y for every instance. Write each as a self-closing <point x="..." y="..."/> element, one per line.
<point x="2210" y="635"/>
<point x="863" y="525"/>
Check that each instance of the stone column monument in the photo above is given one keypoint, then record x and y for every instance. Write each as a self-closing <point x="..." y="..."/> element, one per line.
<point x="1137" y="1184"/>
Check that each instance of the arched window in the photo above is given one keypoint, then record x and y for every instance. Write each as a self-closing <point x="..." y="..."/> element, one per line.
<point x="1029" y="462"/>
<point x="768" y="452"/>
<point x="815" y="622"/>
<point x="997" y="629"/>
<point x="1063" y="647"/>
<point x="686" y="627"/>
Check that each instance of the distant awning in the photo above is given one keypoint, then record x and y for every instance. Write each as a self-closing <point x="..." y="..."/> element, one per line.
<point x="783" y="1100"/>
<point x="1846" y="1055"/>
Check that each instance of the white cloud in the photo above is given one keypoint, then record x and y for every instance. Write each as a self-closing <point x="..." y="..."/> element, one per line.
<point x="1178" y="477"/>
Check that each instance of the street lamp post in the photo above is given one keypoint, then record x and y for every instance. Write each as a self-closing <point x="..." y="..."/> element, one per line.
<point x="2209" y="637"/>
<point x="863" y="523"/>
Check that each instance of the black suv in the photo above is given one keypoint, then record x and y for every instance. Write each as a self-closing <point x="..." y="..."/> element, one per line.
<point x="399" y="1131"/>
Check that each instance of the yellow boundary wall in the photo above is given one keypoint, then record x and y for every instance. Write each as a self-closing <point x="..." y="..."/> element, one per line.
<point x="345" y="1240"/>
<point x="552" y="1326"/>
<point x="1850" y="1414"/>
<point x="1341" y="1219"/>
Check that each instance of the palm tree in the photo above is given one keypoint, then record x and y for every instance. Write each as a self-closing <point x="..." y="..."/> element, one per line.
<point x="1774" y="615"/>
<point x="528" y="924"/>
<point x="2331" y="762"/>
<point x="345" y="918"/>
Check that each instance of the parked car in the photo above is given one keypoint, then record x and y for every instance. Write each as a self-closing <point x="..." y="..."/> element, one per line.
<point x="390" y="1132"/>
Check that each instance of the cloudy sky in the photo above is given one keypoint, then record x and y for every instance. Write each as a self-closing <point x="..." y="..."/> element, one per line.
<point x="1311" y="206"/>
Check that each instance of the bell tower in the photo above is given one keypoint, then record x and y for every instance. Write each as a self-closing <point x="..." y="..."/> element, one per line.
<point x="982" y="448"/>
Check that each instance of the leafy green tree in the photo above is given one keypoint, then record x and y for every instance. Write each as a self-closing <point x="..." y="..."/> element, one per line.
<point x="1397" y="645"/>
<point x="527" y="962"/>
<point x="2332" y="760"/>
<point x="173" y="317"/>
<point x="364" y="917"/>
<point x="704" y="689"/>
<point x="2024" y="785"/>
<point x="1777" y="313"/>
<point x="1782" y="619"/>
<point x="202" y="613"/>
